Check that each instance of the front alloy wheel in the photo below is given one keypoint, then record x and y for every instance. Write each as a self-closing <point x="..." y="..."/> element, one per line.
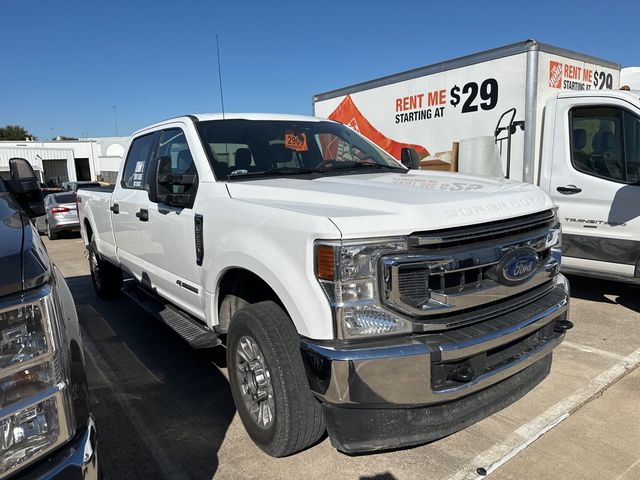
<point x="254" y="379"/>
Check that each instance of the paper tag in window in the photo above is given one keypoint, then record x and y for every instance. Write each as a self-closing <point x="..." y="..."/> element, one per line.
<point x="295" y="141"/>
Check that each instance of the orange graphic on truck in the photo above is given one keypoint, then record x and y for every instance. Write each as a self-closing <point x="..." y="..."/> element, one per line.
<point x="348" y="114"/>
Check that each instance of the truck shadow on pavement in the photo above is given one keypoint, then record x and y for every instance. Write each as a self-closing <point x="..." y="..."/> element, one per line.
<point x="162" y="409"/>
<point x="605" y="291"/>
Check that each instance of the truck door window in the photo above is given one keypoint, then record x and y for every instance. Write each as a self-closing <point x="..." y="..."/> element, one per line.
<point x="135" y="167"/>
<point x="173" y="144"/>
<point x="605" y="143"/>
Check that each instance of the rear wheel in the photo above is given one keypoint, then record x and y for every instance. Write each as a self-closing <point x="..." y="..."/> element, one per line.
<point x="268" y="381"/>
<point x="106" y="278"/>
<point x="50" y="234"/>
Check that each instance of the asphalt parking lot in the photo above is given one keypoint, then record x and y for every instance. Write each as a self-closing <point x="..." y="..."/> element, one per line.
<point x="165" y="411"/>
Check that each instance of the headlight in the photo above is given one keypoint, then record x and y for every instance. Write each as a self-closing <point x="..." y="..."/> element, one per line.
<point x="348" y="273"/>
<point x="33" y="404"/>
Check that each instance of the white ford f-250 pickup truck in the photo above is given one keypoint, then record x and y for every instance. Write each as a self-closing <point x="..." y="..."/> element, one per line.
<point x="390" y="306"/>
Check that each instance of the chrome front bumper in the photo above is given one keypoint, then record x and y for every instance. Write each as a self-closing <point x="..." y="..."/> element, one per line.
<point x="417" y="370"/>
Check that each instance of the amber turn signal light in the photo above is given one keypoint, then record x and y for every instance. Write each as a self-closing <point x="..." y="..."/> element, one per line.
<point x="325" y="267"/>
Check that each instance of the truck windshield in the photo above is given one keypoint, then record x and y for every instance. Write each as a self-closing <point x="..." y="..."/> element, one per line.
<point x="248" y="148"/>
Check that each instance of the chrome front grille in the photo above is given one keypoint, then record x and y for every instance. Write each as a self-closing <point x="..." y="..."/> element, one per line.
<point x="462" y="272"/>
<point x="415" y="282"/>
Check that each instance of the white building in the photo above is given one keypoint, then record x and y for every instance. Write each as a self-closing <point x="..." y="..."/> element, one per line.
<point x="68" y="160"/>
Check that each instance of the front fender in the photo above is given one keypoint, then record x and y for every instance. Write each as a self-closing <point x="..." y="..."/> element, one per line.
<point x="278" y="248"/>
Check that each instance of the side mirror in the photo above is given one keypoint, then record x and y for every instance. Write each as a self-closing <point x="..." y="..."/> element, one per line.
<point x="166" y="187"/>
<point x="410" y="158"/>
<point x="25" y="187"/>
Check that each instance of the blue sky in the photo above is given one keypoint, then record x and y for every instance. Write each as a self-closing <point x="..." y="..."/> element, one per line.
<point x="66" y="63"/>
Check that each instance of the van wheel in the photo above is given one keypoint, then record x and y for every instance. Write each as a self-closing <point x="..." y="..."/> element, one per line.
<point x="268" y="381"/>
<point x="50" y="234"/>
<point x="106" y="278"/>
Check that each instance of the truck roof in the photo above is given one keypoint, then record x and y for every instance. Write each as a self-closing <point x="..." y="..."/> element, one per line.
<point x="630" y="95"/>
<point x="198" y="117"/>
<point x="466" y="60"/>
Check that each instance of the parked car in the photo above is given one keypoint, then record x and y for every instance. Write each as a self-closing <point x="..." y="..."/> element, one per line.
<point x="61" y="215"/>
<point x="392" y="306"/>
<point x="47" y="431"/>
<point x="74" y="186"/>
<point x="41" y="222"/>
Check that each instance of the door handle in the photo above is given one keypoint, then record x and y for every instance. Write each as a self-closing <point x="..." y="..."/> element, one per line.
<point x="115" y="208"/>
<point x="143" y="215"/>
<point x="569" y="190"/>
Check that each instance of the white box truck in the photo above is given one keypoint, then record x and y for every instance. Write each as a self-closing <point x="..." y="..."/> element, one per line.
<point x="531" y="112"/>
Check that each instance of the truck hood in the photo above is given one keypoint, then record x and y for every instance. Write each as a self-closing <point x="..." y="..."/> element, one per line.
<point x="24" y="262"/>
<point x="381" y="204"/>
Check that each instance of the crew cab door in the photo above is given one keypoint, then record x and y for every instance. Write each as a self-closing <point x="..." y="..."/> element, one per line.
<point x="129" y="202"/>
<point x="594" y="181"/>
<point x="174" y="267"/>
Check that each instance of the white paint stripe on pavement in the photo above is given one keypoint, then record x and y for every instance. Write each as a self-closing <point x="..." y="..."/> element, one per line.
<point x="594" y="350"/>
<point x="502" y="452"/>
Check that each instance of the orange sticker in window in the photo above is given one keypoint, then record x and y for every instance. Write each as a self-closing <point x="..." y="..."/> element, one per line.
<point x="295" y="141"/>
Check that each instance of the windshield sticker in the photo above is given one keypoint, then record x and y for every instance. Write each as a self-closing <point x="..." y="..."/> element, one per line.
<point x="140" y="166"/>
<point x="296" y="141"/>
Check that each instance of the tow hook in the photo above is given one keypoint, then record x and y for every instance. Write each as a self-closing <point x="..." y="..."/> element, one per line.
<point x="462" y="374"/>
<point x="562" y="326"/>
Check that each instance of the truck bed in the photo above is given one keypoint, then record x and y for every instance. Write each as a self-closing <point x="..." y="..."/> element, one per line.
<point x="95" y="218"/>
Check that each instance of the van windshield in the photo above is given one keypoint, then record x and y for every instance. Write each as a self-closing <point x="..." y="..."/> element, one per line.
<point x="243" y="149"/>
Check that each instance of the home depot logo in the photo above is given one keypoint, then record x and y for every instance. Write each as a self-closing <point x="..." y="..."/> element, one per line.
<point x="555" y="74"/>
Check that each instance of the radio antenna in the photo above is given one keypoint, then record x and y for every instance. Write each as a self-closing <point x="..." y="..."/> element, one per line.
<point x="220" y="76"/>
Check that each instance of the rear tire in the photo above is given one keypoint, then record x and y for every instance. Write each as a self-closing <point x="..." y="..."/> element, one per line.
<point x="268" y="381"/>
<point x="50" y="234"/>
<point x="106" y="277"/>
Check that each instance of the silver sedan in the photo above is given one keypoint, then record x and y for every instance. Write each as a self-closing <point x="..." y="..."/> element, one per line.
<point x="61" y="214"/>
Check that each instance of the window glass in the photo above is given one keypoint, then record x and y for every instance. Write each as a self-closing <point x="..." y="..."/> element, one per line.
<point x="173" y="144"/>
<point x="238" y="147"/>
<point x="605" y="143"/>
<point x="65" y="198"/>
<point x="632" y="147"/>
<point x="135" y="174"/>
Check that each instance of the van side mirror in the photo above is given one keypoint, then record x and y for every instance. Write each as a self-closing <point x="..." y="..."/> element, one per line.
<point x="167" y="187"/>
<point x="25" y="187"/>
<point x="410" y="158"/>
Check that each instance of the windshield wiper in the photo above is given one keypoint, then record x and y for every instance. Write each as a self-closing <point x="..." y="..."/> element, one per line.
<point x="272" y="171"/>
<point x="350" y="165"/>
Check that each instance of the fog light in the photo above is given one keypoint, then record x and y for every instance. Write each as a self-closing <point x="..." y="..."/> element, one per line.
<point x="370" y="320"/>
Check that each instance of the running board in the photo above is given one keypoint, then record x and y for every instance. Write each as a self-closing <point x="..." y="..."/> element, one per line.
<point x="196" y="334"/>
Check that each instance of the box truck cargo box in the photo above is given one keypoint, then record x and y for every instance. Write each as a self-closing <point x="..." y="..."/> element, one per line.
<point x="528" y="111"/>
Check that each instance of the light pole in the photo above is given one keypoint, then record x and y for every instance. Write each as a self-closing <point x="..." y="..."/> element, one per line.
<point x="115" y="119"/>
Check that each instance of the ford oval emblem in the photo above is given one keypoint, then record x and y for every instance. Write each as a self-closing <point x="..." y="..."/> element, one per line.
<point x="518" y="265"/>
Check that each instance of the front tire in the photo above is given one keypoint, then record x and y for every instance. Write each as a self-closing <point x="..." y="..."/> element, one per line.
<point x="268" y="381"/>
<point x="106" y="278"/>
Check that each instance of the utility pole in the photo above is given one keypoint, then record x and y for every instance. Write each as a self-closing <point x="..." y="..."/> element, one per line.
<point x="115" y="119"/>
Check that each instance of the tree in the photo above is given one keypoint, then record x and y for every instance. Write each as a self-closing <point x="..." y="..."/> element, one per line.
<point x="62" y="137"/>
<point x="15" y="132"/>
